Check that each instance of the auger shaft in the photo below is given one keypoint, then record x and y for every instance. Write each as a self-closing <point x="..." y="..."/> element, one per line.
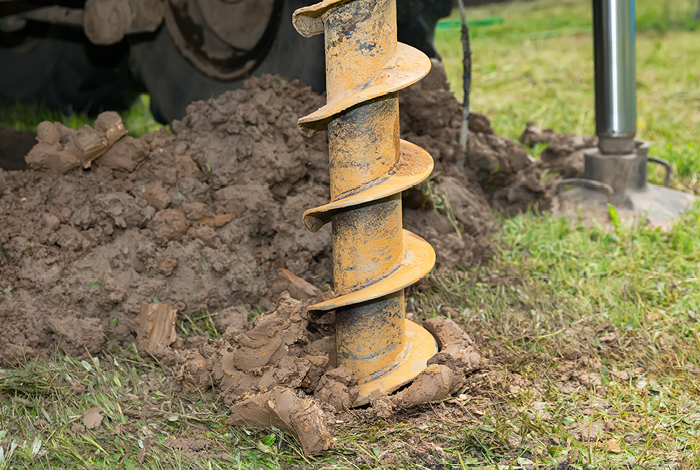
<point x="373" y="257"/>
<point x="367" y="240"/>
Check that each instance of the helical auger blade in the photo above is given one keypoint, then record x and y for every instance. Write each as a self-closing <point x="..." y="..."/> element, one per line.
<point x="374" y="259"/>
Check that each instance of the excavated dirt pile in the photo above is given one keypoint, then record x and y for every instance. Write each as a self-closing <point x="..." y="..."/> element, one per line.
<point x="209" y="217"/>
<point x="208" y="220"/>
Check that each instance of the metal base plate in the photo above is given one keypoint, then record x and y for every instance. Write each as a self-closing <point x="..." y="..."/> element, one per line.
<point x="659" y="204"/>
<point x="420" y="346"/>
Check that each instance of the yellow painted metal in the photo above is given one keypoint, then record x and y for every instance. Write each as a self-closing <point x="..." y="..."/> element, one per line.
<point x="415" y="164"/>
<point x="418" y="260"/>
<point x="374" y="259"/>
<point x="418" y="348"/>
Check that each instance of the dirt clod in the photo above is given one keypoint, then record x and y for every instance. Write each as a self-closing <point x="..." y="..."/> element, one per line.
<point x="447" y="370"/>
<point x="433" y="384"/>
<point x="298" y="288"/>
<point x="61" y="149"/>
<point x="92" y="417"/>
<point x="564" y="154"/>
<point x="338" y="388"/>
<point x="533" y="135"/>
<point x="77" y="429"/>
<point x="156" y="326"/>
<point x="383" y="407"/>
<point x="281" y="408"/>
<point x="231" y="317"/>
<point x="168" y="225"/>
<point x="271" y="350"/>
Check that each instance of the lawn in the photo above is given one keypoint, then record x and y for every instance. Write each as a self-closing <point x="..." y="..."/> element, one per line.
<point x="537" y="65"/>
<point x="592" y="337"/>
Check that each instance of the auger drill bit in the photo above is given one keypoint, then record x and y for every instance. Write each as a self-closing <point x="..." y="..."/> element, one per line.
<point x="374" y="259"/>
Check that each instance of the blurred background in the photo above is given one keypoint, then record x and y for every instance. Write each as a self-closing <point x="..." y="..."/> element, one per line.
<point x="532" y="61"/>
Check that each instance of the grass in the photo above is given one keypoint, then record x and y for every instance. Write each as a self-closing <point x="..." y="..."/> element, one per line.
<point x="625" y="304"/>
<point x="43" y="417"/>
<point x="538" y="66"/>
<point x="625" y="301"/>
<point x="592" y="337"/>
<point x="138" y="120"/>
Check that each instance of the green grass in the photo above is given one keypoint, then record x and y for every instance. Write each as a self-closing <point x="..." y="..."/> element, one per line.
<point x="557" y="288"/>
<point x="40" y="408"/>
<point x="579" y="325"/>
<point x="538" y="66"/>
<point x="138" y="119"/>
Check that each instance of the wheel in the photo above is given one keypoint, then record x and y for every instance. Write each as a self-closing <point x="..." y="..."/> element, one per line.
<point x="209" y="46"/>
<point x="187" y="61"/>
<point x="60" y="68"/>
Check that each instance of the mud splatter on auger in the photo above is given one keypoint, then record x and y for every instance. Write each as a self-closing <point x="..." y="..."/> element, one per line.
<point x="374" y="259"/>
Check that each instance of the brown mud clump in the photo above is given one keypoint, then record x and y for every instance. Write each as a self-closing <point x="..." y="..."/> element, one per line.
<point x="563" y="153"/>
<point x="106" y="240"/>
<point x="61" y="149"/>
<point x="277" y="370"/>
<point x="156" y="327"/>
<point x="207" y="217"/>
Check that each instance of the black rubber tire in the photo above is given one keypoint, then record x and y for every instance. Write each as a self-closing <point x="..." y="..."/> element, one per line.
<point x="60" y="68"/>
<point x="173" y="82"/>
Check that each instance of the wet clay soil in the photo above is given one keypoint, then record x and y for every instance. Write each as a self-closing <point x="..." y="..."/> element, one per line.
<point x="208" y="219"/>
<point x="207" y="216"/>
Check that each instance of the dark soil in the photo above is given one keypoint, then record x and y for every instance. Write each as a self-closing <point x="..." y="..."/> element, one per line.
<point x="14" y="145"/>
<point x="208" y="219"/>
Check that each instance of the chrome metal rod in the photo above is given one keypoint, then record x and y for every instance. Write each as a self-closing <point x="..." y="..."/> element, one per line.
<point x="615" y="88"/>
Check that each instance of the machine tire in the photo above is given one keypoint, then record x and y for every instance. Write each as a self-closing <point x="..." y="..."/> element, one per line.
<point x="173" y="82"/>
<point x="60" y="68"/>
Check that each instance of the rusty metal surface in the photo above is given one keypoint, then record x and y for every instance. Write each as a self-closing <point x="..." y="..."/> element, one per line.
<point x="374" y="259"/>
<point x="414" y="164"/>
<point x="418" y="260"/>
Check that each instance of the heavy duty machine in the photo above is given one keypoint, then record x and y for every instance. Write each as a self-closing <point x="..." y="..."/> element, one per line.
<point x="99" y="54"/>
<point x="616" y="171"/>
<point x="374" y="258"/>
